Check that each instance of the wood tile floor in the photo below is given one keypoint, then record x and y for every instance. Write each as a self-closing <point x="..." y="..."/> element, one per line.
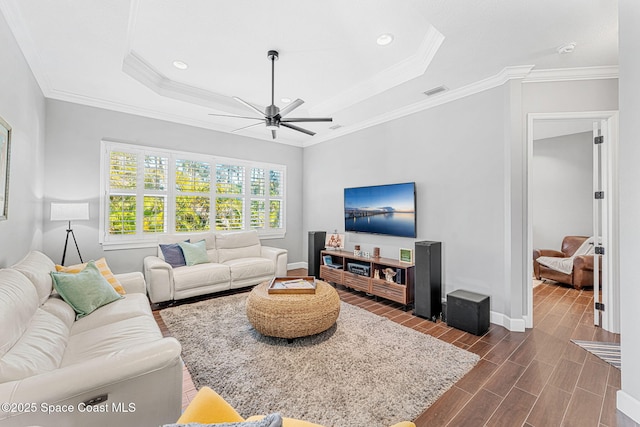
<point x="536" y="378"/>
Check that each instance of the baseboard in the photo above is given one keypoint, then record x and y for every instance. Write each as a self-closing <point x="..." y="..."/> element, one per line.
<point x="514" y="325"/>
<point x="628" y="405"/>
<point x="296" y="265"/>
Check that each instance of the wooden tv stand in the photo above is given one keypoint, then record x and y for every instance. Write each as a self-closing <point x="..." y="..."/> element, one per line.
<point x="399" y="292"/>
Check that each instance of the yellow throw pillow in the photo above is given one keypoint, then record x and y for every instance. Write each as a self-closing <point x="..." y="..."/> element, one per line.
<point x="104" y="270"/>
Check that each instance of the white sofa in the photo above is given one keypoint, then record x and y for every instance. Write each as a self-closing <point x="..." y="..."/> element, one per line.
<point x="51" y="363"/>
<point x="236" y="260"/>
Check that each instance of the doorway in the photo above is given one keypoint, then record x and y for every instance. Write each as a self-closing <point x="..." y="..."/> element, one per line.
<point x="605" y="222"/>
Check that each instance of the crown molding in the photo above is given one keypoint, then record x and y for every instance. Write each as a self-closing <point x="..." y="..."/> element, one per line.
<point x="154" y="114"/>
<point x="507" y="73"/>
<point x="401" y="72"/>
<point x="569" y="74"/>
<point x="27" y="46"/>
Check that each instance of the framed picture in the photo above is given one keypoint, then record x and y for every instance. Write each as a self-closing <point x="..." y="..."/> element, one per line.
<point x="5" y="154"/>
<point x="406" y="255"/>
<point x="334" y="241"/>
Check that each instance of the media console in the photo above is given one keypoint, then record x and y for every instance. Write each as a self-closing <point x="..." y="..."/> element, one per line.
<point x="358" y="273"/>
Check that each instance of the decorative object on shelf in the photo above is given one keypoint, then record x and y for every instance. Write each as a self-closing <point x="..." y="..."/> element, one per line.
<point x="356" y="250"/>
<point x="366" y="254"/>
<point x="335" y="241"/>
<point x="406" y="255"/>
<point x="376" y="252"/>
<point x="376" y="274"/>
<point x="69" y="212"/>
<point x="389" y="274"/>
<point x="5" y="146"/>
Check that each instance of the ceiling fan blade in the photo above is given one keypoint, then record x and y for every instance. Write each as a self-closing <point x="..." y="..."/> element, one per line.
<point x="235" y="117"/>
<point x="307" y="119"/>
<point x="246" y="104"/>
<point x="299" y="129"/>
<point x="247" y="127"/>
<point x="273" y="134"/>
<point x="290" y="107"/>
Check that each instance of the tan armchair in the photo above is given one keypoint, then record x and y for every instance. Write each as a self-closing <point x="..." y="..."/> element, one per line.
<point x="582" y="273"/>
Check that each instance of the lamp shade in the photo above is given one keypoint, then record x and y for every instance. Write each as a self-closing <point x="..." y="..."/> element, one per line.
<point x="69" y="211"/>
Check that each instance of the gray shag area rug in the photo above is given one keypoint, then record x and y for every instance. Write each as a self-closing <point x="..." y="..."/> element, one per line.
<point x="364" y="371"/>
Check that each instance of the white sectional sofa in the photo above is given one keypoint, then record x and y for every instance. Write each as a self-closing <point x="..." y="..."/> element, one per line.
<point x="236" y="260"/>
<point x="53" y="367"/>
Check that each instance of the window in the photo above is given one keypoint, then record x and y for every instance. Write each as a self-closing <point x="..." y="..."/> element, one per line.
<point x="153" y="191"/>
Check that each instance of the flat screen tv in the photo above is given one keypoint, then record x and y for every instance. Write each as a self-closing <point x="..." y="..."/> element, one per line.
<point x="381" y="209"/>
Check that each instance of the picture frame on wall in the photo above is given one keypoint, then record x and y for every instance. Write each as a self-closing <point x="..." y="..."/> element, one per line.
<point x="406" y="255"/>
<point x="5" y="155"/>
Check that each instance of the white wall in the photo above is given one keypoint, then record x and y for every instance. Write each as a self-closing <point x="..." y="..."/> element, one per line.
<point x="562" y="189"/>
<point x="72" y="168"/>
<point x="629" y="173"/>
<point x="23" y="107"/>
<point x="460" y="184"/>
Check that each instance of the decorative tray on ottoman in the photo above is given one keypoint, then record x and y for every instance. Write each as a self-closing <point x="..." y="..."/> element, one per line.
<point x="292" y="285"/>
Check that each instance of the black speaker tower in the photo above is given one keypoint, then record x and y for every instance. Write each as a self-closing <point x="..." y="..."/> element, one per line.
<point x="316" y="244"/>
<point x="428" y="280"/>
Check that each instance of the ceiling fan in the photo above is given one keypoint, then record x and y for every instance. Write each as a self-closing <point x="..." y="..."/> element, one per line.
<point x="273" y="117"/>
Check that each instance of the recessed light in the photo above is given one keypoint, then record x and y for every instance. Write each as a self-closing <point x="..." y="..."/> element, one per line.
<point x="180" y="65"/>
<point x="384" y="39"/>
<point x="285" y="100"/>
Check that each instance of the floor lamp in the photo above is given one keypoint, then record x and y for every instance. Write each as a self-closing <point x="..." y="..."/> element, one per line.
<point x="69" y="212"/>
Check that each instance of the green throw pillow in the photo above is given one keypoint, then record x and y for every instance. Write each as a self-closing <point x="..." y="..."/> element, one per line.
<point x="84" y="291"/>
<point x="195" y="253"/>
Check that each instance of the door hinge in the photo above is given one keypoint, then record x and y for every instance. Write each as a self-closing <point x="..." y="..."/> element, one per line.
<point x="598" y="139"/>
<point x="599" y="250"/>
<point x="600" y="306"/>
<point x="599" y="195"/>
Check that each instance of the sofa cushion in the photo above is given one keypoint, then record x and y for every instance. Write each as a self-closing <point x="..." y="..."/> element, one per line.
<point x="37" y="266"/>
<point x="84" y="291"/>
<point x="173" y="255"/>
<point x="200" y="275"/>
<point x="271" y="420"/>
<point x="110" y="338"/>
<point x="246" y="268"/>
<point x="238" y="245"/>
<point x="18" y="304"/>
<point x="40" y="349"/>
<point x="132" y="305"/>
<point x="102" y="267"/>
<point x="194" y="253"/>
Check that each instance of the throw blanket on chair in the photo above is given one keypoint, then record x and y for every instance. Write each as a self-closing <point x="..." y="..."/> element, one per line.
<point x="565" y="265"/>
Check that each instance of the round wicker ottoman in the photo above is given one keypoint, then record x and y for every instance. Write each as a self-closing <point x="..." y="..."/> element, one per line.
<point x="293" y="315"/>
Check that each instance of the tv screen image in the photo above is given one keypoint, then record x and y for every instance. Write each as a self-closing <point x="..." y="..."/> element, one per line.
<point x="381" y="209"/>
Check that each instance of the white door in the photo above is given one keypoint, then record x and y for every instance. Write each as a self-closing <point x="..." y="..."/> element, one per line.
<point x="604" y="188"/>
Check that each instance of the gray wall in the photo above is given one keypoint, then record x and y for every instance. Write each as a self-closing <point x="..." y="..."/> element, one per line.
<point x="72" y="169"/>
<point x="22" y="105"/>
<point x="562" y="189"/>
<point x="629" y="173"/>
<point x="460" y="183"/>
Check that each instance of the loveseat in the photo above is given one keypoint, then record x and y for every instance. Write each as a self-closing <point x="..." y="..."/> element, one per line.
<point x="111" y="367"/>
<point x="572" y="264"/>
<point x="232" y="260"/>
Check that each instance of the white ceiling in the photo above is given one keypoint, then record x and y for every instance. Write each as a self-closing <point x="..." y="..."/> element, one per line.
<point x="118" y="54"/>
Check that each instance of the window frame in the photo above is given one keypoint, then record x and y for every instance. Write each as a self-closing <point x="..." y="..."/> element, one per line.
<point x="141" y="239"/>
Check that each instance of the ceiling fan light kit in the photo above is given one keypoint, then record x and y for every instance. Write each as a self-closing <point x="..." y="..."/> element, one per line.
<point x="273" y="117"/>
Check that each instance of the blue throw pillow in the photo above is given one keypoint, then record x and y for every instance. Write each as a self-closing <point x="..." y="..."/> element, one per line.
<point x="173" y="254"/>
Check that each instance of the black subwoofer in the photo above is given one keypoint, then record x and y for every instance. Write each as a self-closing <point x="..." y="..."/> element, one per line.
<point x="316" y="244"/>
<point x="468" y="311"/>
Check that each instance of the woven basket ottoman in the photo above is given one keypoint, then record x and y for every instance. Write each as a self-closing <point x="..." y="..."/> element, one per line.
<point x="293" y="315"/>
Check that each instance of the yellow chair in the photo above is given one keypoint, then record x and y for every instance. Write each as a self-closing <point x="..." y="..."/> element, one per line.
<point x="208" y="407"/>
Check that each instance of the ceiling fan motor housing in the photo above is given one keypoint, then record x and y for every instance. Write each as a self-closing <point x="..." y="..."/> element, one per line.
<point x="272" y="111"/>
